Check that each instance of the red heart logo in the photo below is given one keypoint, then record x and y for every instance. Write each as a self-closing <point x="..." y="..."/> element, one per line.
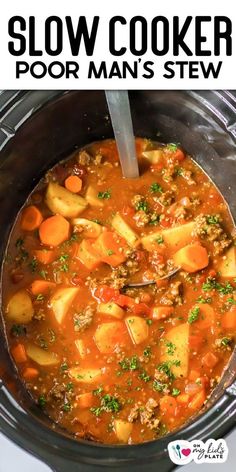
<point x="186" y="452"/>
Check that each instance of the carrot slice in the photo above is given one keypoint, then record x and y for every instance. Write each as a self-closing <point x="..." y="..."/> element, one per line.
<point x="73" y="183"/>
<point x="195" y="341"/>
<point x="54" y="230"/>
<point x="111" y="248"/>
<point x="31" y="218"/>
<point x="191" y="258"/>
<point x="45" y="256"/>
<point x="194" y="374"/>
<point x="19" y="353"/>
<point x="162" y="312"/>
<point x="210" y="360"/>
<point x="197" y="401"/>
<point x="41" y="286"/>
<point x="88" y="255"/>
<point x="30" y="373"/>
<point x="168" y="405"/>
<point x="228" y="320"/>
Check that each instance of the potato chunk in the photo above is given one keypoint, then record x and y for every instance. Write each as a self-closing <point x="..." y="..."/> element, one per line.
<point x="154" y="157"/>
<point x="174" y="238"/>
<point x="111" y="309"/>
<point x="81" y="347"/>
<point x="86" y="375"/>
<point x="138" y="329"/>
<point x="124" y="230"/>
<point x="92" y="197"/>
<point x="42" y="357"/>
<point x="63" y="202"/>
<point x="123" y="430"/>
<point x="227" y="266"/>
<point x="20" y="308"/>
<point x="108" y="336"/>
<point x="175" y="347"/>
<point x="90" y="229"/>
<point x="61" y="301"/>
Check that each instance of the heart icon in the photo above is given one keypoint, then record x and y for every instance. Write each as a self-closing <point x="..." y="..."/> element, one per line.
<point x="186" y="452"/>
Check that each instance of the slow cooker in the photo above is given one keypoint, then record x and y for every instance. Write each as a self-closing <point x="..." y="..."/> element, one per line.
<point x="36" y="130"/>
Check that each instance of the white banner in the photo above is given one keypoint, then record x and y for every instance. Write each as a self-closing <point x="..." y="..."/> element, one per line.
<point x="118" y="45"/>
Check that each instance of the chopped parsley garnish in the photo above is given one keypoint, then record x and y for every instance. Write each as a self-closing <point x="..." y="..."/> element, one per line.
<point x="144" y="376"/>
<point x="155" y="220"/>
<point x="19" y="242"/>
<point x="178" y="171"/>
<point x="170" y="347"/>
<point x="18" y="330"/>
<point x="204" y="300"/>
<point x="211" y="284"/>
<point x="159" y="239"/>
<point x="43" y="274"/>
<point x="131" y="363"/>
<point x="64" y="367"/>
<point x="159" y="386"/>
<point x="213" y="219"/>
<point x="231" y="300"/>
<point x="225" y="341"/>
<point x="143" y="205"/>
<point x="70" y="387"/>
<point x="155" y="187"/>
<point x="109" y="403"/>
<point x="66" y="407"/>
<point x="165" y="368"/>
<point x="110" y="252"/>
<point x="96" y="410"/>
<point x="193" y="314"/>
<point x="64" y="268"/>
<point x="39" y="297"/>
<point x="98" y="391"/>
<point x="33" y="264"/>
<point x="63" y="257"/>
<point x="172" y="147"/>
<point x="149" y="322"/>
<point x="175" y="392"/>
<point x="104" y="195"/>
<point x="42" y="401"/>
<point x="147" y="351"/>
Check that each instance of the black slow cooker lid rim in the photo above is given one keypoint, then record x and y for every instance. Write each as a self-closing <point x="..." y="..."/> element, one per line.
<point x="31" y="434"/>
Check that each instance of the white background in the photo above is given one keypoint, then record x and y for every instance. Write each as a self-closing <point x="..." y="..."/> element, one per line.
<point x="106" y="9"/>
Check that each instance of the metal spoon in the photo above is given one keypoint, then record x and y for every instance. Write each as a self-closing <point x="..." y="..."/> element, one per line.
<point x="119" y="109"/>
<point x="151" y="282"/>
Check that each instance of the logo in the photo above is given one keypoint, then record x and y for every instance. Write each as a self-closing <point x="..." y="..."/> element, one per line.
<point x="212" y="451"/>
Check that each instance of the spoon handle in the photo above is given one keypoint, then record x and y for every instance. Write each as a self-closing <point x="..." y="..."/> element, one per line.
<point x="119" y="109"/>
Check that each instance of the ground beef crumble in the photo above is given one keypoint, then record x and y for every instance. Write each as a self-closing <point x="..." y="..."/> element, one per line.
<point x="212" y="232"/>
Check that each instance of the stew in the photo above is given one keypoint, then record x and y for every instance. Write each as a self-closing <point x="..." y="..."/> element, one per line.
<point x="108" y="362"/>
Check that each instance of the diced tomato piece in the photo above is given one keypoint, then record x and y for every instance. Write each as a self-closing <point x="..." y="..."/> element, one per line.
<point x="141" y="309"/>
<point x="128" y="211"/>
<point x="157" y="167"/>
<point x="210" y="360"/>
<point x="106" y="293"/>
<point x="167" y="222"/>
<point x="177" y="155"/>
<point x="124" y="301"/>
